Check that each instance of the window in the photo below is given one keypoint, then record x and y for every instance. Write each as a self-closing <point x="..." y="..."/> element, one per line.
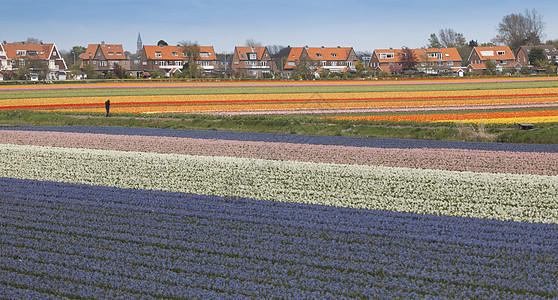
<point x="242" y="56"/>
<point x="291" y="63"/>
<point x="450" y="63"/>
<point x="318" y="55"/>
<point x="111" y="53"/>
<point x="386" y="55"/>
<point x="253" y="56"/>
<point x="333" y="54"/>
<point x="324" y="63"/>
<point x="144" y="63"/>
<point x="263" y="63"/>
<point x="161" y="63"/>
<point x="205" y="54"/>
<point x="174" y="53"/>
<point x="102" y="63"/>
<point x="503" y="62"/>
<point x="547" y="50"/>
<point x="158" y="54"/>
<point x="440" y="64"/>
<point x="21" y="52"/>
<point x="118" y="53"/>
<point x="501" y="52"/>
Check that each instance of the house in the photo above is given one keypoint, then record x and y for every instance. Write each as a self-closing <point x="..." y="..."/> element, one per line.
<point x="431" y="61"/>
<point x="253" y="62"/>
<point x="501" y="56"/>
<point x="522" y="56"/>
<point x="44" y="59"/>
<point x="171" y="59"/>
<point x="332" y="59"/>
<point x="104" y="57"/>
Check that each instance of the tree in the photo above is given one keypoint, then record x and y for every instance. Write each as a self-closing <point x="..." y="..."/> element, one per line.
<point x="119" y="71"/>
<point x="537" y="57"/>
<point x="516" y="30"/>
<point x="473" y="43"/>
<point x="434" y="42"/>
<point x="191" y="51"/>
<point x="304" y="68"/>
<point x="359" y="66"/>
<point x="450" y="39"/>
<point x="446" y="38"/>
<point x="490" y="66"/>
<point x="252" y="43"/>
<point x="409" y="60"/>
<point x="162" y="43"/>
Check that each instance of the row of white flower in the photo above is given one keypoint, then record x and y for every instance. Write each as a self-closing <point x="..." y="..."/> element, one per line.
<point x="530" y="198"/>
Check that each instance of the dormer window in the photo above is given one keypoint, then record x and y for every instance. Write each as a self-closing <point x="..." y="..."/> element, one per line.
<point x="21" y="52"/>
<point x="386" y="55"/>
<point x="252" y="56"/>
<point x="111" y="53"/>
<point x="501" y="52"/>
<point x="318" y="55"/>
<point x="158" y="54"/>
<point x="333" y="54"/>
<point x="118" y="53"/>
<point x="174" y="53"/>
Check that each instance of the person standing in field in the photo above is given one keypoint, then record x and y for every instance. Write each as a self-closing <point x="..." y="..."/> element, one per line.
<point x="107" y="106"/>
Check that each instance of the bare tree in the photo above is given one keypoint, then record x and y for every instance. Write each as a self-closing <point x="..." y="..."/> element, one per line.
<point x="449" y="38"/>
<point x="516" y="30"/>
<point x="252" y="43"/>
<point x="192" y="52"/>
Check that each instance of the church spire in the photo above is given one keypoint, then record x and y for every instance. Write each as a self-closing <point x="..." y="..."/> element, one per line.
<point x="140" y="44"/>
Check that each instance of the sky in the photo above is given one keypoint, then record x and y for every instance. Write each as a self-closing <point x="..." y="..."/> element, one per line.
<point x="363" y="25"/>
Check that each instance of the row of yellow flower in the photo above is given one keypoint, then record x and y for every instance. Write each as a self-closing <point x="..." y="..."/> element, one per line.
<point x="247" y="106"/>
<point x="294" y="101"/>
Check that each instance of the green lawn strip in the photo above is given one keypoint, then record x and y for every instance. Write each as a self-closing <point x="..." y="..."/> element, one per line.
<point x="155" y="90"/>
<point x="546" y="133"/>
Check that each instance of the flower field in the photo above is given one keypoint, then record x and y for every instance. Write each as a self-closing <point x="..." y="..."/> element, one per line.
<point x="107" y="212"/>
<point x="489" y="100"/>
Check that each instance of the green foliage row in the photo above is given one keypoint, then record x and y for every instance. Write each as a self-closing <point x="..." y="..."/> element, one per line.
<point x="546" y="133"/>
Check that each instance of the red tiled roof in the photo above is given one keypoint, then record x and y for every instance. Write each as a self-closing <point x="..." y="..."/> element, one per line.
<point x="437" y="54"/>
<point x="329" y="53"/>
<point x="176" y="53"/>
<point x="43" y="51"/>
<point x="493" y="53"/>
<point x="243" y="51"/>
<point x="478" y="66"/>
<point x="110" y="51"/>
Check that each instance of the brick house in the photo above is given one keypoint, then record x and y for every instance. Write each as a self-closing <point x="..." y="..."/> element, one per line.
<point x="172" y="59"/>
<point x="40" y="58"/>
<point x="502" y="57"/>
<point x="103" y="57"/>
<point x="522" y="56"/>
<point x="431" y="61"/>
<point x="333" y="59"/>
<point x="253" y="61"/>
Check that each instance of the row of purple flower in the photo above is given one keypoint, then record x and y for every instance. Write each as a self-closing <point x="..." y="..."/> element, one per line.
<point x="293" y="138"/>
<point x="72" y="240"/>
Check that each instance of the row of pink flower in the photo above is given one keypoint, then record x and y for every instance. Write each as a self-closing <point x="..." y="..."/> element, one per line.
<point x="443" y="159"/>
<point x="266" y="83"/>
<point x="379" y="110"/>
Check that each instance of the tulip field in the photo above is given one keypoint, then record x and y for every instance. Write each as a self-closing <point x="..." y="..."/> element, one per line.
<point x="486" y="100"/>
<point x="116" y="212"/>
<point x="99" y="212"/>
